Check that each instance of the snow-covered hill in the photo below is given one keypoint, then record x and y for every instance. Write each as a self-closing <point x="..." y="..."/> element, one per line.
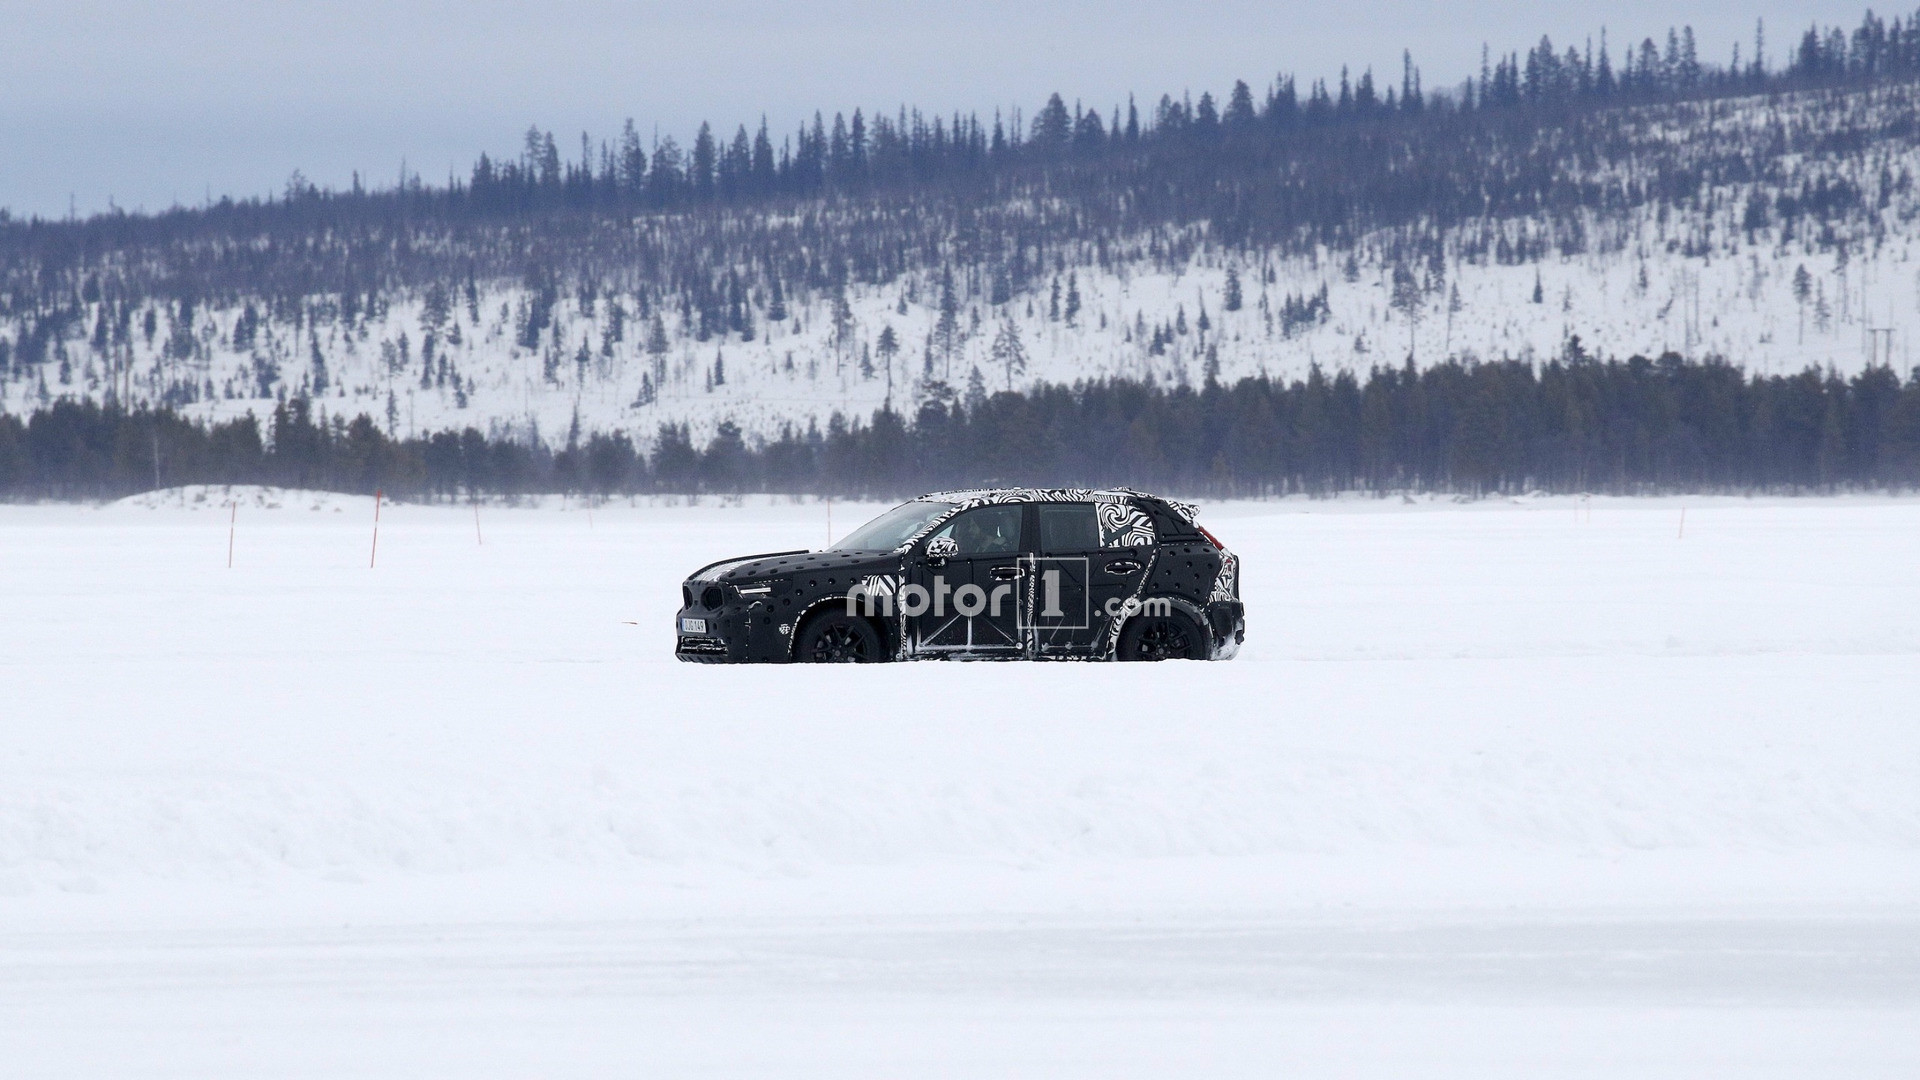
<point x="1799" y="252"/>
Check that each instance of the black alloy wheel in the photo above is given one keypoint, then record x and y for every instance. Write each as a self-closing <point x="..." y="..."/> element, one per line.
<point x="1160" y="637"/>
<point x="838" y="639"/>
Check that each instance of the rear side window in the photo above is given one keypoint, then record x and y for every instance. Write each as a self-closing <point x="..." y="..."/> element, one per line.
<point x="1123" y="525"/>
<point x="1068" y="527"/>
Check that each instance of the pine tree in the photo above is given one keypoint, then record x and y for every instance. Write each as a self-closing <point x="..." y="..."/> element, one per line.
<point x="1802" y="292"/>
<point x="1052" y="127"/>
<point x="1073" y="299"/>
<point x="317" y="362"/>
<point x="434" y="308"/>
<point x="1007" y="352"/>
<point x="1454" y="307"/>
<point x="704" y="157"/>
<point x="976" y="389"/>
<point x="1407" y="300"/>
<point x="889" y="347"/>
<point x="946" y="332"/>
<point x="1233" y="300"/>
<point x="777" y="304"/>
<point x="1002" y="289"/>
<point x="842" y="329"/>
<point x="657" y="337"/>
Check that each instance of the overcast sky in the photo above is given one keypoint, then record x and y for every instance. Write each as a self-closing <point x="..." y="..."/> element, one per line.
<point x="149" y="104"/>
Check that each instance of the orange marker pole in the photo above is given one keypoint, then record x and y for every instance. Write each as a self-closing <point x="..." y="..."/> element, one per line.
<point x="375" y="553"/>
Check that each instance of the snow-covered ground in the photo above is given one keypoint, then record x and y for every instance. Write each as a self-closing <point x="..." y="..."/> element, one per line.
<point x="1538" y="788"/>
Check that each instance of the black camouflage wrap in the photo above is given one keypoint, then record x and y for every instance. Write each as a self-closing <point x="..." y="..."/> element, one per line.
<point x="754" y="607"/>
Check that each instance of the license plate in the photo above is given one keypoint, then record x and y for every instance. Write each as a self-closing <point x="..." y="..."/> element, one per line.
<point x="693" y="626"/>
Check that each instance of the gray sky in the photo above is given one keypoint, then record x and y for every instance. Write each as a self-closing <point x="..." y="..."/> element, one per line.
<point x="150" y="104"/>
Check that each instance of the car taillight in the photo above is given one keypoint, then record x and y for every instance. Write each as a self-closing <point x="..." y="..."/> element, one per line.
<point x="1211" y="539"/>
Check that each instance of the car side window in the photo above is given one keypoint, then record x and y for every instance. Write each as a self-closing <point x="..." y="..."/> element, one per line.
<point x="1068" y="527"/>
<point x="989" y="530"/>
<point x="1123" y="525"/>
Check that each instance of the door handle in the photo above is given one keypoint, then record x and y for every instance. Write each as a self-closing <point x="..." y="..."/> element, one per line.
<point x="1005" y="573"/>
<point x="1122" y="566"/>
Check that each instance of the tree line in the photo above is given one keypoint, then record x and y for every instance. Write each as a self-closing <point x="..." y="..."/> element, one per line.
<point x="869" y="198"/>
<point x="1573" y="424"/>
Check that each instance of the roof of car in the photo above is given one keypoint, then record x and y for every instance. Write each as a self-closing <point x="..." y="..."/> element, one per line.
<point x="991" y="495"/>
<point x="967" y="498"/>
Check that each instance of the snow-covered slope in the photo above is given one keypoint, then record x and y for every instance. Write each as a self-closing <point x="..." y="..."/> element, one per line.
<point x="1795" y="257"/>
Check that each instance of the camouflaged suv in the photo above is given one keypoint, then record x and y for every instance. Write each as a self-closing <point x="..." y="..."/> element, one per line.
<point x="1017" y="574"/>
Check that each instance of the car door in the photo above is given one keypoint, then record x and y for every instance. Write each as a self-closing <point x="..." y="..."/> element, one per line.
<point x="967" y="602"/>
<point x="1091" y="558"/>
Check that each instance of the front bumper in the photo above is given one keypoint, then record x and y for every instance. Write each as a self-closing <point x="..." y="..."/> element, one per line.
<point x="739" y="632"/>
<point x="701" y="649"/>
<point x="725" y="632"/>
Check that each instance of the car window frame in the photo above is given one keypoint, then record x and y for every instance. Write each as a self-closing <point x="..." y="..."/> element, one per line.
<point x="1039" y="539"/>
<point x="1023" y="544"/>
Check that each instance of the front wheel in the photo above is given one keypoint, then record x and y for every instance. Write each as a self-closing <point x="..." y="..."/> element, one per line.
<point x="838" y="639"/>
<point x="1161" y="637"/>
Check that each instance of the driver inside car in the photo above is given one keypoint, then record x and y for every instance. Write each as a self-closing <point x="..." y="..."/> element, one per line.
<point x="987" y="533"/>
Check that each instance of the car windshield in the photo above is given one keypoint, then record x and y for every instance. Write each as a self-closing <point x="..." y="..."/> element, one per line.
<point x="893" y="528"/>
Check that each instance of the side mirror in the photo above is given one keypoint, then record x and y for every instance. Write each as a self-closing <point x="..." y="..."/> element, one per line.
<point x="940" y="549"/>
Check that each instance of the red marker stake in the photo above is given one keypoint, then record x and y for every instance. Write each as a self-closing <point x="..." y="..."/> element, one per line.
<point x="375" y="553"/>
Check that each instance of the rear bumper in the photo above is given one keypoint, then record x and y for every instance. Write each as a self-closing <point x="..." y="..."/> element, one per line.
<point x="1227" y="621"/>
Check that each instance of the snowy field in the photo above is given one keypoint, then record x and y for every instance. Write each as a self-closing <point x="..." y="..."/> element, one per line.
<point x="1511" y="789"/>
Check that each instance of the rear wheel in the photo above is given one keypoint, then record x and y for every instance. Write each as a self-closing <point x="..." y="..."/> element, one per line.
<point x="837" y="638"/>
<point x="1161" y="637"/>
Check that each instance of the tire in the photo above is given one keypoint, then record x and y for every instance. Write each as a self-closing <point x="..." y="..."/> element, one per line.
<point x="837" y="638"/>
<point x="1161" y="637"/>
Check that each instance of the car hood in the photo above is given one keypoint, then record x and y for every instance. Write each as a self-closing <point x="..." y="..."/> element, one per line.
<point x="786" y="563"/>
